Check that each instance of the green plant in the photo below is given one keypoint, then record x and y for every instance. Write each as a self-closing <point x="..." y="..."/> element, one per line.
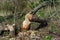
<point x="41" y="14"/>
<point x="1" y="19"/>
<point x="48" y="37"/>
<point x="52" y="28"/>
<point x="58" y="31"/>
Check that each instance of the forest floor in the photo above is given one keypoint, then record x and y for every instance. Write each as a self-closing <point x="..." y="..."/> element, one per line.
<point x="33" y="35"/>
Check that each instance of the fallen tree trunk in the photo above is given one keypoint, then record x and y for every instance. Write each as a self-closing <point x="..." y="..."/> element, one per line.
<point x="29" y="17"/>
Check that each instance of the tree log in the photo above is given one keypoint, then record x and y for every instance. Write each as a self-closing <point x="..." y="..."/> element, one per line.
<point x="30" y="17"/>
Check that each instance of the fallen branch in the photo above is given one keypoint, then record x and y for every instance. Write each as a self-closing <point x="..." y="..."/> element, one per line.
<point x="42" y="5"/>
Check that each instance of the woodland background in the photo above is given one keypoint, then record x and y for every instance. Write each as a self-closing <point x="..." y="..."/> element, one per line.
<point x="13" y="11"/>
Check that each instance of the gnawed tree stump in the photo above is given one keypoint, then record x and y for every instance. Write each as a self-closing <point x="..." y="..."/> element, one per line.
<point x="26" y="22"/>
<point x="29" y="16"/>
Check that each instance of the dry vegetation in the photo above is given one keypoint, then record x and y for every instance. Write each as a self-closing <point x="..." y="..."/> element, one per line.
<point x="13" y="12"/>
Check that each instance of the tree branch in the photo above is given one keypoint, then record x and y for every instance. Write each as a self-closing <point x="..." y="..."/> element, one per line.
<point x="39" y="7"/>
